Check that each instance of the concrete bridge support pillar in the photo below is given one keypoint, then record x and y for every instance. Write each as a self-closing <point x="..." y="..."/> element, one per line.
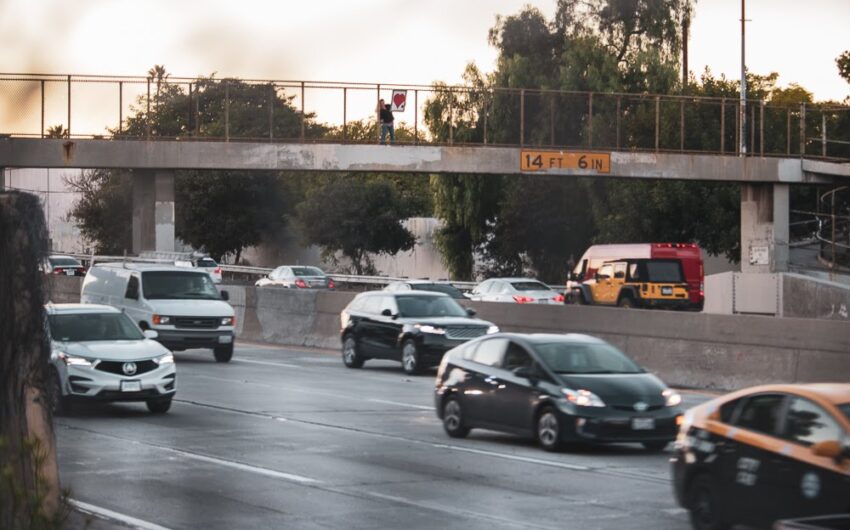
<point x="153" y="210"/>
<point x="764" y="228"/>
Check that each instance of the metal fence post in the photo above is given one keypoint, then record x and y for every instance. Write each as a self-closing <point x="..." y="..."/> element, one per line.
<point x="681" y="125"/>
<point x="271" y="111"/>
<point x="618" y="122"/>
<point x="590" y="120"/>
<point x="344" y="112"/>
<point x="226" y="111"/>
<point x="738" y="129"/>
<point x="69" y="106"/>
<point x="120" y="107"/>
<point x="197" y="110"/>
<point x="148" y="112"/>
<point x="788" y="131"/>
<point x="752" y="148"/>
<point x="761" y="128"/>
<point x="486" y="112"/>
<point x="303" y="113"/>
<point x="451" y="116"/>
<point x="802" y="129"/>
<point x="657" y="122"/>
<point x="416" y="116"/>
<point x="378" y="117"/>
<point x="42" y="108"/>
<point x="722" y="126"/>
<point x="522" y="117"/>
<point x="189" y="109"/>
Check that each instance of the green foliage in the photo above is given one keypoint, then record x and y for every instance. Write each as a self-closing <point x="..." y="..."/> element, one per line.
<point x="103" y="211"/>
<point x="355" y="216"/>
<point x="27" y="507"/>
<point x="843" y="63"/>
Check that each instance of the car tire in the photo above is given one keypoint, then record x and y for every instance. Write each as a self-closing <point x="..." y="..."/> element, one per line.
<point x="655" y="447"/>
<point x="60" y="405"/>
<point x="159" y="405"/>
<point x="350" y="355"/>
<point x="701" y="499"/>
<point x="548" y="430"/>
<point x="453" y="422"/>
<point x="626" y="302"/>
<point x="223" y="354"/>
<point x="410" y="359"/>
<point x="580" y="299"/>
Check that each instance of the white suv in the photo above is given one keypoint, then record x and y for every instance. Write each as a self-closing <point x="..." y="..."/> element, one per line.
<point x="98" y="353"/>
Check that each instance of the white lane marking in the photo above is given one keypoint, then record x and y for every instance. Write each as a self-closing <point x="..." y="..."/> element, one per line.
<point x="103" y="513"/>
<point x="266" y="363"/>
<point x="240" y="466"/>
<point x="400" y="404"/>
<point x="517" y="458"/>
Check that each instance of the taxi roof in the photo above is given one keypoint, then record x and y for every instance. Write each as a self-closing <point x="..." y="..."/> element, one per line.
<point x="835" y="393"/>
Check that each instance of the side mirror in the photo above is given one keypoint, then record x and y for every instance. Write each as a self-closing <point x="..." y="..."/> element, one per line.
<point x="150" y="334"/>
<point x="386" y="313"/>
<point x="527" y="373"/>
<point x="471" y="312"/>
<point x="829" y="449"/>
<point x="225" y="296"/>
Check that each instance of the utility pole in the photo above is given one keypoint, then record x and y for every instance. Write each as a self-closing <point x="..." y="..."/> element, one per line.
<point x="743" y="109"/>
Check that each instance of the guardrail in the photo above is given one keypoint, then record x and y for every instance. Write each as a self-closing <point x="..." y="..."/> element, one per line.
<point x="126" y="108"/>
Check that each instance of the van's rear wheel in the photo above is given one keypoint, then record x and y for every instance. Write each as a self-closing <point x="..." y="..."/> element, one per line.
<point x="223" y="354"/>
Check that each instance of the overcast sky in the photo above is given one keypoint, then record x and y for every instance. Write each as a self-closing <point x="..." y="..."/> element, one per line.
<point x="387" y="41"/>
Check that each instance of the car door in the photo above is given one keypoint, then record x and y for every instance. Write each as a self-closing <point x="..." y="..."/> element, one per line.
<point x="513" y="396"/>
<point x="367" y="327"/>
<point x="502" y="291"/>
<point x="747" y="455"/>
<point x="807" y="484"/>
<point x="483" y="381"/>
<point x="387" y="328"/>
<point x="132" y="301"/>
<point x="480" y="290"/>
<point x="602" y="287"/>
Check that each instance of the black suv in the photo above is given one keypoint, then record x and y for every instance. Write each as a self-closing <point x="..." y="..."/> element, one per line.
<point x="416" y="328"/>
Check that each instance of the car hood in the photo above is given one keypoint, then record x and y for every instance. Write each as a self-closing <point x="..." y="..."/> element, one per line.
<point x="192" y="308"/>
<point x="446" y="321"/>
<point x="619" y="389"/>
<point x="113" y="350"/>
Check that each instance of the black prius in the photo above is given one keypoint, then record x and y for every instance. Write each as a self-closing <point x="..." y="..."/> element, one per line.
<point x="416" y="328"/>
<point x="556" y="388"/>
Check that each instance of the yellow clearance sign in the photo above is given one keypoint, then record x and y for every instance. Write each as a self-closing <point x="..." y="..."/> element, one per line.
<point x="545" y="160"/>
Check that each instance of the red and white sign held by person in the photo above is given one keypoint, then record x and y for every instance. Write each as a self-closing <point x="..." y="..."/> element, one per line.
<point x="399" y="100"/>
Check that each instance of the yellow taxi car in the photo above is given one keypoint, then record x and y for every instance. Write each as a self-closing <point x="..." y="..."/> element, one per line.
<point x="765" y="453"/>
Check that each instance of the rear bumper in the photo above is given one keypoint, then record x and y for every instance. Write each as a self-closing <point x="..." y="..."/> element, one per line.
<point x="657" y="303"/>
<point x="186" y="339"/>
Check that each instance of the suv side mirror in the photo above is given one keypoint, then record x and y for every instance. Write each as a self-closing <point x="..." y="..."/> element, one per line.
<point x="386" y="313"/>
<point x="829" y="449"/>
<point x="527" y="373"/>
<point x="471" y="312"/>
<point x="225" y="296"/>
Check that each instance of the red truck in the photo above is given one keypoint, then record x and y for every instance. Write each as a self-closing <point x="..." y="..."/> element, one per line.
<point x="688" y="253"/>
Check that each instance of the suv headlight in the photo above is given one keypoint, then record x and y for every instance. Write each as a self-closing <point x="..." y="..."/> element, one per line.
<point x="583" y="398"/>
<point x="228" y="321"/>
<point x="427" y="328"/>
<point x="492" y="329"/>
<point x="160" y="320"/>
<point x="672" y="398"/>
<point x="168" y="358"/>
<point x="71" y="360"/>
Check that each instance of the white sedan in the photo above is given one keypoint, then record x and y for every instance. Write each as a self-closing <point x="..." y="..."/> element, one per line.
<point x="516" y="290"/>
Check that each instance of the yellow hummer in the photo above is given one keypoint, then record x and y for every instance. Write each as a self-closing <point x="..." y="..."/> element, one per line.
<point x="654" y="283"/>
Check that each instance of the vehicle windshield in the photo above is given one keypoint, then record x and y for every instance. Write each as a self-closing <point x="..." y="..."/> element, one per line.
<point x="429" y="306"/>
<point x="530" y="286"/>
<point x="845" y="408"/>
<point x="454" y="292"/>
<point x="585" y="358"/>
<point x="178" y="285"/>
<point x="64" y="262"/>
<point x="81" y="327"/>
<point x="207" y="262"/>
<point x="307" y="271"/>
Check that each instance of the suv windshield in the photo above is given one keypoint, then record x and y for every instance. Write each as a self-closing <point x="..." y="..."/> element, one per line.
<point x="178" y="285"/>
<point x="429" y="306"/>
<point x="452" y="291"/>
<point x="585" y="358"/>
<point x="307" y="271"/>
<point x="530" y="286"/>
<point x="83" y="327"/>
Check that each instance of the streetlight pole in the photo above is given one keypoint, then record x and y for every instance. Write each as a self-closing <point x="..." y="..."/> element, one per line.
<point x="743" y="106"/>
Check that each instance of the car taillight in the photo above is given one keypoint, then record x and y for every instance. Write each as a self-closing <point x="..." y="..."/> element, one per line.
<point x="558" y="298"/>
<point x="331" y="284"/>
<point x="523" y="299"/>
<point x="217" y="270"/>
<point x="301" y="284"/>
<point x="58" y="271"/>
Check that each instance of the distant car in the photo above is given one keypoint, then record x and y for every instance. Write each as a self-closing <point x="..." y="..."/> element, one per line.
<point x="98" y="353"/>
<point x="649" y="283"/>
<point x="64" y="265"/>
<point x="426" y="285"/>
<point x="415" y="328"/>
<point x="297" y="277"/>
<point x="210" y="265"/>
<point x="516" y="290"/>
<point x="765" y="453"/>
<point x="556" y="388"/>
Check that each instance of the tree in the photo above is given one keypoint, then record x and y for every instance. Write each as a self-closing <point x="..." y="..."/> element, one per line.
<point x="354" y="217"/>
<point x="104" y="210"/>
<point x="843" y="63"/>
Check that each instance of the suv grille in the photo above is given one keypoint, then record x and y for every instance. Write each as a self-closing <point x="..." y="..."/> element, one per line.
<point x="117" y="367"/>
<point x="465" y="332"/>
<point x="196" y="322"/>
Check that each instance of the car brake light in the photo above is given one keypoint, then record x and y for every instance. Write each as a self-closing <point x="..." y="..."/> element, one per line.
<point x="331" y="284"/>
<point x="300" y="283"/>
<point x="217" y="270"/>
<point x="558" y="298"/>
<point x="523" y="299"/>
<point x="57" y="271"/>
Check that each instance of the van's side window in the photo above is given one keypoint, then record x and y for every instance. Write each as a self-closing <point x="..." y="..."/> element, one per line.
<point x="132" y="288"/>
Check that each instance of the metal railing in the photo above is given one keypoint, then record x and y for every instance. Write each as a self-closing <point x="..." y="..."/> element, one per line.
<point x="115" y="107"/>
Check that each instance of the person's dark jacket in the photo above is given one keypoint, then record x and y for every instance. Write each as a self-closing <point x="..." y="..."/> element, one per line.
<point x="386" y="115"/>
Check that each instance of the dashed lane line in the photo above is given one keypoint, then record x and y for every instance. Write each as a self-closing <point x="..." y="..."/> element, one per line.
<point x="104" y="513"/>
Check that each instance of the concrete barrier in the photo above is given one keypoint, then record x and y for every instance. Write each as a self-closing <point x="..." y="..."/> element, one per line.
<point x="696" y="350"/>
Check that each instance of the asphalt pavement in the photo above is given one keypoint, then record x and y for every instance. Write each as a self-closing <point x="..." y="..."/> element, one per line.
<point x="290" y="438"/>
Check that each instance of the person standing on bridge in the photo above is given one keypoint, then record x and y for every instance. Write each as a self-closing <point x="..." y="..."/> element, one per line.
<point x="386" y="118"/>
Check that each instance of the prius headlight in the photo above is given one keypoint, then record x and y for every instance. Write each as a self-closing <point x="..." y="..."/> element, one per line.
<point x="427" y="328"/>
<point x="168" y="358"/>
<point x="583" y="398"/>
<point x="671" y="397"/>
<point x="72" y="360"/>
<point x="492" y="329"/>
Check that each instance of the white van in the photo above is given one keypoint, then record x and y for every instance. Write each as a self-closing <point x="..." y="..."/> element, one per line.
<point x="182" y="305"/>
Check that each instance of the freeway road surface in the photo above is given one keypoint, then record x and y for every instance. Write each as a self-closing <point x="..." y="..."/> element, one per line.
<point x="284" y="438"/>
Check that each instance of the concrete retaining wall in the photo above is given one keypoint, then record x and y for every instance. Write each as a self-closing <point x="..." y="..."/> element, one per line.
<point x="686" y="349"/>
